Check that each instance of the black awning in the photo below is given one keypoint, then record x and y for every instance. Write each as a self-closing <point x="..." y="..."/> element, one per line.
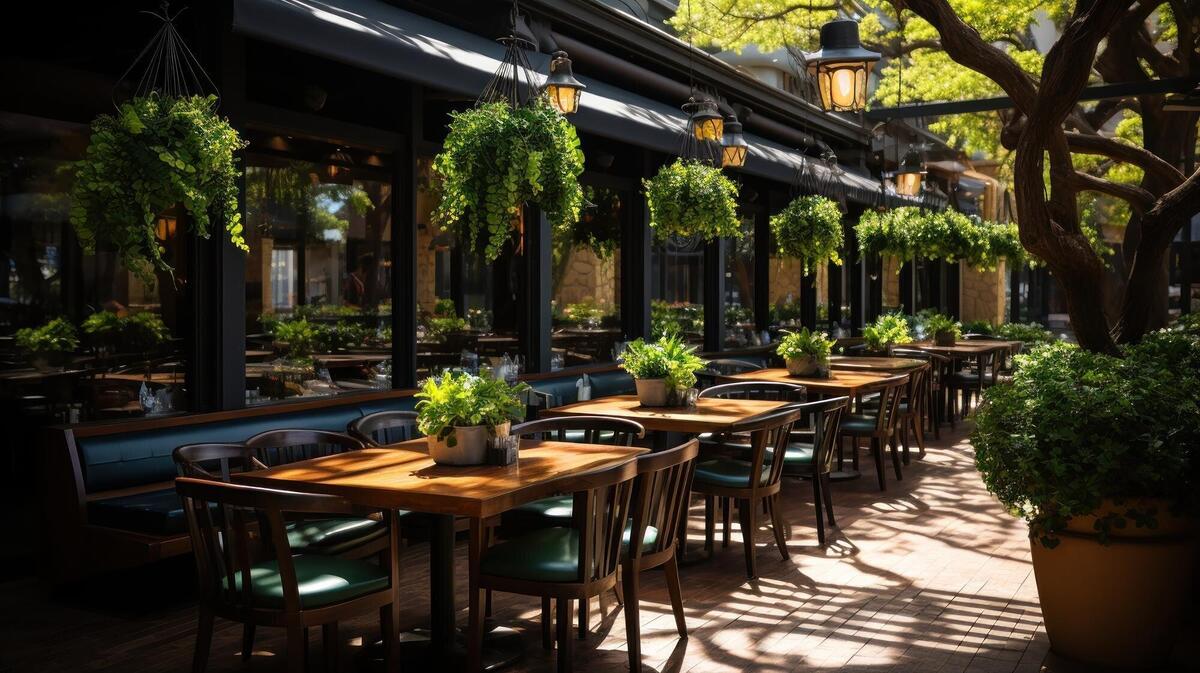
<point x="373" y="35"/>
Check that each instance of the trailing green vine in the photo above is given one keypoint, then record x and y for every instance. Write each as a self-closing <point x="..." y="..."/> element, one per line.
<point x="497" y="159"/>
<point x="155" y="154"/>
<point x="689" y="198"/>
<point x="910" y="233"/>
<point x="809" y="229"/>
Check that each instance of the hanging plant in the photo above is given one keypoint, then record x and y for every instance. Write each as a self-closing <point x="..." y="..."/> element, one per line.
<point x="809" y="229"/>
<point x="497" y="159"/>
<point x="155" y="154"/>
<point x="910" y="233"/>
<point x="692" y="199"/>
<point x="599" y="227"/>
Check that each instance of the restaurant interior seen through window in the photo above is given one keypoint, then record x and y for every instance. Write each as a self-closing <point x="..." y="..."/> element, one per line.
<point x="677" y="289"/>
<point x="318" y="274"/>
<point x="81" y="337"/>
<point x="739" y="288"/>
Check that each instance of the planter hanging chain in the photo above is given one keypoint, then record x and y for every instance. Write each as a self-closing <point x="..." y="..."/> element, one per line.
<point x="171" y="69"/>
<point x="514" y="81"/>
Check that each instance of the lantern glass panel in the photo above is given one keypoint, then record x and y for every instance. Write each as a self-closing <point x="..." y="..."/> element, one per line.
<point x="908" y="184"/>
<point x="711" y="129"/>
<point x="733" y="155"/>
<point x="565" y="99"/>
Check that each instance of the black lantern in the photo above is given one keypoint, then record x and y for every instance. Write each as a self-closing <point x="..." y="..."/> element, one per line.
<point x="733" y="144"/>
<point x="908" y="176"/>
<point x="705" y="122"/>
<point x="840" y="67"/>
<point x="561" y="86"/>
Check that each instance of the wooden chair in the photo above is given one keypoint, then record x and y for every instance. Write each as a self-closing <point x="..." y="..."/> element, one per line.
<point x="753" y="483"/>
<point x="279" y="447"/>
<point x="561" y="563"/>
<point x="724" y="367"/>
<point x="658" y="520"/>
<point x="879" y="427"/>
<point x="384" y="427"/>
<point x="199" y="460"/>
<point x="279" y="588"/>
<point x="940" y="367"/>
<point x="814" y="460"/>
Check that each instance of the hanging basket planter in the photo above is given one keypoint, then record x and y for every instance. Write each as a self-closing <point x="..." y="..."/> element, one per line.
<point x="692" y="199"/>
<point x="498" y="158"/>
<point x="156" y="153"/>
<point x="809" y="229"/>
<point x="911" y="233"/>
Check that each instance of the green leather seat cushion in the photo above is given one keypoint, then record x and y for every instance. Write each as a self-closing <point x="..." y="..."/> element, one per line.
<point x="545" y="555"/>
<point x="322" y="580"/>
<point x="798" y="454"/>
<point x="557" y="507"/>
<point x="334" y="535"/>
<point x="859" y="423"/>
<point x="727" y="472"/>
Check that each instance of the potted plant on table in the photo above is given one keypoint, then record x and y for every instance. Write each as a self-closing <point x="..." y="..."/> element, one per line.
<point x="1098" y="453"/>
<point x="805" y="352"/>
<point x="887" y="330"/>
<point x="944" y="330"/>
<point x="49" y="345"/>
<point x="661" y="370"/>
<point x="459" y="412"/>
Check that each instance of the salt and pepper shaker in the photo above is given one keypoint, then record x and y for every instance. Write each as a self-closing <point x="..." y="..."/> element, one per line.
<point x="502" y="449"/>
<point x="584" y="387"/>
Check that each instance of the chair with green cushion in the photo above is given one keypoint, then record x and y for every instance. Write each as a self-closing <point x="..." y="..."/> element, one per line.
<point x="562" y="563"/>
<point x="814" y="460"/>
<point x="878" y="426"/>
<point x="259" y="580"/>
<point x="384" y="427"/>
<point x="658" y="519"/>
<point x="752" y="483"/>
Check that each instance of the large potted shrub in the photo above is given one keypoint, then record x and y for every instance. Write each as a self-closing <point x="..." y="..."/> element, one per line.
<point x="1098" y="453"/>
<point x="888" y="330"/>
<point x="496" y="159"/>
<point x="48" y="346"/>
<point x="1029" y="334"/>
<point x="155" y="154"/>
<point x="809" y="229"/>
<point x="805" y="352"/>
<point x="689" y="198"/>
<point x="661" y="370"/>
<point x="460" y="412"/>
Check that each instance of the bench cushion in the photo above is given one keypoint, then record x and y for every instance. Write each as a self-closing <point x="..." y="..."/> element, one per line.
<point x="153" y="513"/>
<point x="563" y="390"/>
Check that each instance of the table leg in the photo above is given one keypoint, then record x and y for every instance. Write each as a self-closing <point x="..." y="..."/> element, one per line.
<point x="441" y="584"/>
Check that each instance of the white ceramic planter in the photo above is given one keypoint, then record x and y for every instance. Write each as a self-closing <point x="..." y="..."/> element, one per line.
<point x="652" y="392"/>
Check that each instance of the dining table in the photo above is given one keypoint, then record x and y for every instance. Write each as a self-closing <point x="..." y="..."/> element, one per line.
<point x="404" y="477"/>
<point x="851" y="383"/>
<point x="709" y="415"/>
<point x="875" y="364"/>
<point x="978" y="349"/>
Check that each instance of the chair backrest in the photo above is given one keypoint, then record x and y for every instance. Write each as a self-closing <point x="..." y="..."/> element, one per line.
<point x="279" y="447"/>
<point x="660" y="496"/>
<point x="756" y="390"/>
<point x="586" y="429"/>
<point x="917" y="392"/>
<point x="826" y="425"/>
<point x="939" y="365"/>
<point x="890" y="393"/>
<point x="214" y="461"/>
<point x="769" y="436"/>
<point x="220" y="517"/>
<point x="724" y="367"/>
<point x="384" y="427"/>
<point x="601" y="510"/>
<point x="860" y="350"/>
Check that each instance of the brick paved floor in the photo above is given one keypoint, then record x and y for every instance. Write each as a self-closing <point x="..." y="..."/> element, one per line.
<point x="931" y="575"/>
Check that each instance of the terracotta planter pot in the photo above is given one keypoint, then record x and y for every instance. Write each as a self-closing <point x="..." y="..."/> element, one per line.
<point x="1121" y="604"/>
<point x="470" y="445"/>
<point x="652" y="392"/>
<point x="944" y="339"/>
<point x="803" y="366"/>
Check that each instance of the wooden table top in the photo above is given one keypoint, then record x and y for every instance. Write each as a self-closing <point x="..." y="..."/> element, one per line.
<point x="709" y="415"/>
<point x="840" y="381"/>
<point x="875" y="364"/>
<point x="403" y="476"/>
<point x="964" y="348"/>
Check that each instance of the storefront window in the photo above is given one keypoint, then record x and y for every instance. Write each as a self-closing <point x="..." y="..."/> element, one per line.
<point x="318" y="276"/>
<point x="739" y="288"/>
<point x="677" y="295"/>
<point x="467" y="309"/>
<point x="586" y="281"/>
<point x="81" y="337"/>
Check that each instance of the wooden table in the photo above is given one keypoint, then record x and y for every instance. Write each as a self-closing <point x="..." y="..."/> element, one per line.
<point x="875" y="364"/>
<point x="405" y="477"/>
<point x="840" y="382"/>
<point x="709" y="415"/>
<point x="979" y="349"/>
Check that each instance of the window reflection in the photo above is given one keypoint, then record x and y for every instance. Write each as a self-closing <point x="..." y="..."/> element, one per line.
<point x="677" y="293"/>
<point x="739" y="288"/>
<point x="586" y="281"/>
<point x="318" y="276"/>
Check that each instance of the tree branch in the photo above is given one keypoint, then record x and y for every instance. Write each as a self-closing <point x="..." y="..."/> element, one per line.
<point x="1086" y="143"/>
<point x="1140" y="199"/>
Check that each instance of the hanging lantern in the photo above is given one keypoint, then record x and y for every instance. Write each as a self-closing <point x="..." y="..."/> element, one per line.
<point x="908" y="176"/>
<point x="561" y="86"/>
<point x="733" y="144"/>
<point x="705" y="122"/>
<point x="841" y="66"/>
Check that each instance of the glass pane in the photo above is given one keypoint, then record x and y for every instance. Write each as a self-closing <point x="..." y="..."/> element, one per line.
<point x="318" y="277"/>
<point x="586" y="281"/>
<point x="467" y="309"/>
<point x="739" y="288"/>
<point x="785" y="301"/>
<point x="120" y="348"/>
<point x="677" y="292"/>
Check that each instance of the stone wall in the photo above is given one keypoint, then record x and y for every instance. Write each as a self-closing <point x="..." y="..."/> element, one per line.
<point x="589" y="277"/>
<point x="981" y="294"/>
<point x="891" y="283"/>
